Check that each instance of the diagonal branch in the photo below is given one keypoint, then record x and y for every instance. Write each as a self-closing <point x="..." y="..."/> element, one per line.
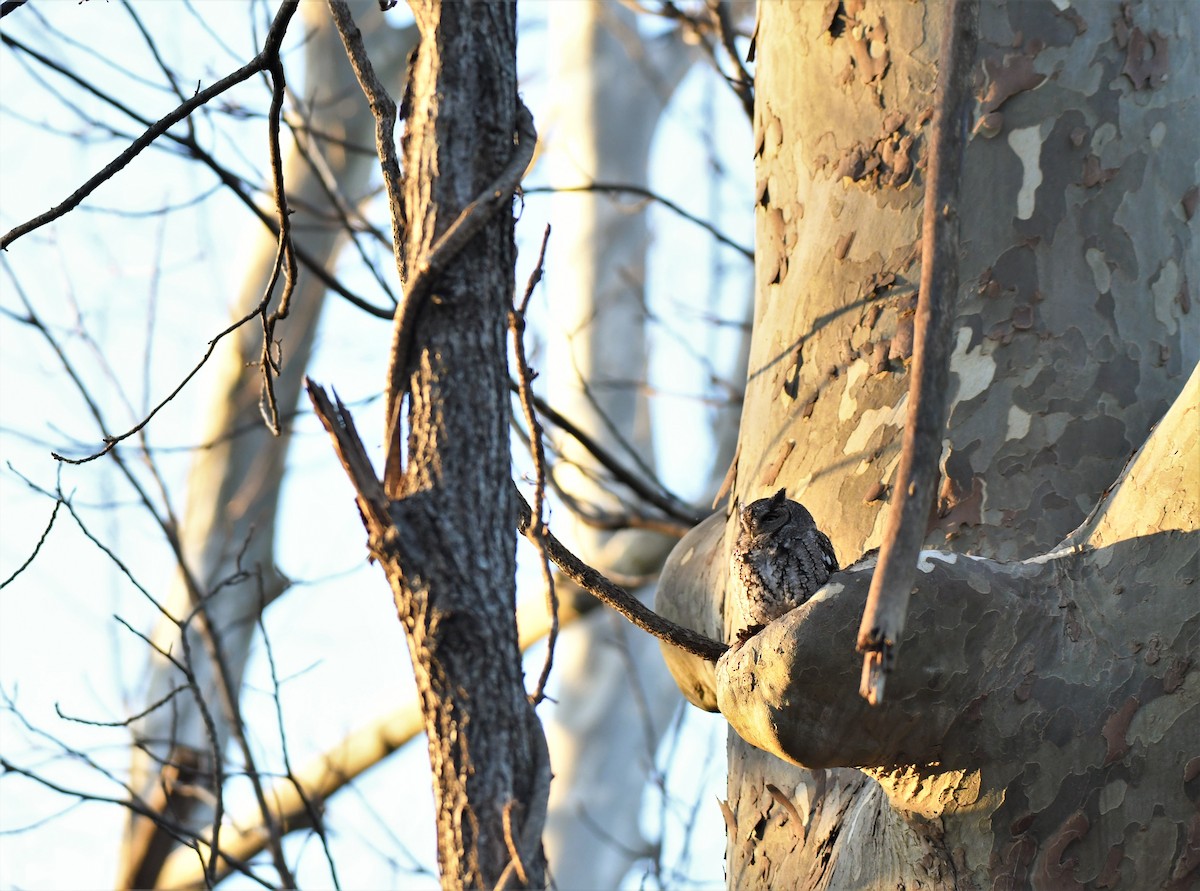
<point x="465" y="227"/>
<point x="891" y="586"/>
<point x="261" y="62"/>
<point x="373" y="504"/>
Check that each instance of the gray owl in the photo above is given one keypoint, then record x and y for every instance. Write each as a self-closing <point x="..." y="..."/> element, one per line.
<point x="779" y="560"/>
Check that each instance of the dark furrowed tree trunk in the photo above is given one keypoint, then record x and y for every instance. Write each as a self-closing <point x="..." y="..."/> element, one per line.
<point x="455" y="514"/>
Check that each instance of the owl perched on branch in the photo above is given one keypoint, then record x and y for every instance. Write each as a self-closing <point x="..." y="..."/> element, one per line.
<point x="779" y="560"/>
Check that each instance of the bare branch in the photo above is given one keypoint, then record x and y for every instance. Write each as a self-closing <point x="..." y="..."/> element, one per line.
<point x="226" y="177"/>
<point x="285" y="258"/>
<point x="891" y="585"/>
<point x="649" y="195"/>
<point x="672" y="506"/>
<point x="618" y="598"/>
<point x="260" y="62"/>
<point x="537" y="533"/>
<point x="37" y="547"/>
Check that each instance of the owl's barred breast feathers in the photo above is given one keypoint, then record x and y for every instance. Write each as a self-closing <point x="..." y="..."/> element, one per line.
<point x="779" y="560"/>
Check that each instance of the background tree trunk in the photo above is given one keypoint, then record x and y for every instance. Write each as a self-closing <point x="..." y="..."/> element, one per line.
<point x="1074" y="335"/>
<point x="228" y="532"/>
<point x="614" y="700"/>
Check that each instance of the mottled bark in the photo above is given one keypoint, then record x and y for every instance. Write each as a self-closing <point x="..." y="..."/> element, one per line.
<point x="1049" y="726"/>
<point x="227" y="534"/>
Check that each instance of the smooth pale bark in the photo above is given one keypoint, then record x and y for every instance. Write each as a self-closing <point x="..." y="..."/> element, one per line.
<point x="611" y="90"/>
<point x="234" y="486"/>
<point x="614" y="698"/>
<point x="1041" y="737"/>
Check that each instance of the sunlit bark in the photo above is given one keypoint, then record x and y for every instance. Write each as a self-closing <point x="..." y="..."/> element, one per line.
<point x="1045" y="712"/>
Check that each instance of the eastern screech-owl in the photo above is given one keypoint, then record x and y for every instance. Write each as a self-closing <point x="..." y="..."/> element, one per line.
<point x="779" y="560"/>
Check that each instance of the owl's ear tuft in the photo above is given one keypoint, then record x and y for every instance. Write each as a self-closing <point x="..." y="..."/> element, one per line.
<point x="779" y="497"/>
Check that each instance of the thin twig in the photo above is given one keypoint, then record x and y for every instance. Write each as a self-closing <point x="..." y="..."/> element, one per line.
<point x="618" y="598"/>
<point x="110" y="442"/>
<point x="537" y="533"/>
<point x="742" y="82"/>
<point x="271" y="818"/>
<point x="127" y="721"/>
<point x="643" y="192"/>
<point x="891" y="585"/>
<point x="661" y="498"/>
<point x="261" y="61"/>
<point x="37" y="547"/>
<point x="285" y="255"/>
<point x="227" y="178"/>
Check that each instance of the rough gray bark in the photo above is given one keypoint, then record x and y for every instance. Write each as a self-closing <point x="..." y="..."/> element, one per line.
<point x="1050" y="739"/>
<point x="451" y="561"/>
<point x="234" y="486"/>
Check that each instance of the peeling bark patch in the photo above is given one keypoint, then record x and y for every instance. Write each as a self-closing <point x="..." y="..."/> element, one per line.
<point x="786" y="803"/>
<point x="1077" y="21"/>
<point x="1115" y="729"/>
<point x="1014" y="864"/>
<point x="1022" y="693"/>
<point x="1146" y="63"/>
<point x="772" y="246"/>
<point x="1053" y="870"/>
<point x="888" y="162"/>
<point x="1094" y="174"/>
<point x="771" y="471"/>
<point x="1006" y="77"/>
<point x="791" y="375"/>
<point x="1173" y="679"/>
<point x="842" y="247"/>
<point x="865" y="35"/>
<point x="1191" y="198"/>
<point x="1110" y="876"/>
<point x="901" y="347"/>
<point x="956" y="508"/>
<point x="833" y="19"/>
<point x="1188" y="860"/>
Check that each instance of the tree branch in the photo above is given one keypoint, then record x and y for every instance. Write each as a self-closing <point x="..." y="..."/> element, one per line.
<point x="618" y="598"/>
<point x="882" y="624"/>
<point x="261" y="62"/>
<point x="373" y="504"/>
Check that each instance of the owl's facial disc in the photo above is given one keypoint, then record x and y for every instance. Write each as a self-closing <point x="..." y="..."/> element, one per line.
<point x="762" y="518"/>
<point x="772" y="520"/>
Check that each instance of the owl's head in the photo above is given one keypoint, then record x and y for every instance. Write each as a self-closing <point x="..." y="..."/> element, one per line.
<point x="768" y="515"/>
